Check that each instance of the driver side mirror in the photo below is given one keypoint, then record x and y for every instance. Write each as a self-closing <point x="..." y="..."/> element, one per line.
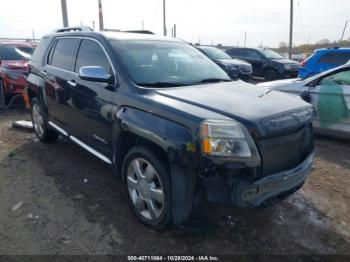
<point x="95" y="74"/>
<point x="313" y="83"/>
<point x="306" y="96"/>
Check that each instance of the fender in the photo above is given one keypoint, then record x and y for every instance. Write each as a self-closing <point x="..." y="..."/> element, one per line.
<point x="175" y="139"/>
<point x="36" y="84"/>
<point x="178" y="143"/>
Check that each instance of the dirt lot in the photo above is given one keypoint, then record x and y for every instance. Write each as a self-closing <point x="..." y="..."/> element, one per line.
<point x="73" y="205"/>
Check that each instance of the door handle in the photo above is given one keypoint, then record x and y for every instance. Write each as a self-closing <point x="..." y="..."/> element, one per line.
<point x="72" y="83"/>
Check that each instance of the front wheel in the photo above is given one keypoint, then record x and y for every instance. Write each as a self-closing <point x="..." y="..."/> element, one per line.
<point x="270" y="75"/>
<point x="2" y="95"/>
<point x="147" y="180"/>
<point x="40" y="123"/>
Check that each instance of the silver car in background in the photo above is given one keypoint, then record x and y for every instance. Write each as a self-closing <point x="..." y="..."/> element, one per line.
<point x="329" y="93"/>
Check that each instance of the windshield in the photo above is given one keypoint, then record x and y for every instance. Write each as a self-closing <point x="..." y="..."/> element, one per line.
<point x="215" y="53"/>
<point x="165" y="64"/>
<point x="16" y="53"/>
<point x="270" y="54"/>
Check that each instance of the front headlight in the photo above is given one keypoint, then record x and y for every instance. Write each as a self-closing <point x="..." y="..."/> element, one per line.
<point x="12" y="74"/>
<point x="224" y="138"/>
<point x="287" y="66"/>
<point x="233" y="67"/>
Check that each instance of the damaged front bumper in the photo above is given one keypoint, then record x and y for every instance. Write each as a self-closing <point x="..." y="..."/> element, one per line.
<point x="253" y="194"/>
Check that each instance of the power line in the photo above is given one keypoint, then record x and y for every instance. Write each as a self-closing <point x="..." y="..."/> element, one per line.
<point x="342" y="36"/>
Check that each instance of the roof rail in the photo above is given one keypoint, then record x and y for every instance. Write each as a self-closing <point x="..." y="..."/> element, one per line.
<point x="111" y="30"/>
<point x="73" y="29"/>
<point x="147" y="32"/>
<point x="130" y="31"/>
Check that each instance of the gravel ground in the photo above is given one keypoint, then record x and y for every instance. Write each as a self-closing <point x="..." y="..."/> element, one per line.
<point x="73" y="205"/>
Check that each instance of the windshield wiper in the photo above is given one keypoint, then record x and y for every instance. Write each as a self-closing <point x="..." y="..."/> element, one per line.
<point x="161" y="84"/>
<point x="214" y="80"/>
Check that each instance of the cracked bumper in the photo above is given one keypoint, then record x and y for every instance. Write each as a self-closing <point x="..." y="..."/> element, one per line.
<point x="248" y="194"/>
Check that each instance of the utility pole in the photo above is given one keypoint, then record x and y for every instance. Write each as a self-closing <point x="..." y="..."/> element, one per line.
<point x="64" y="13"/>
<point x="342" y="36"/>
<point x="245" y="37"/>
<point x="164" y="19"/>
<point x="291" y="29"/>
<point x="93" y="25"/>
<point x="175" y="30"/>
<point x="100" y="15"/>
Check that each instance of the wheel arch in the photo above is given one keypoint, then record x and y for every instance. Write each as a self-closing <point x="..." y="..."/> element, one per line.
<point x="171" y="141"/>
<point x="35" y="87"/>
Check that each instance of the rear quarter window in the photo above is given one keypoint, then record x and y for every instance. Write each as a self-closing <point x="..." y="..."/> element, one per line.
<point x="335" y="58"/>
<point x="39" y="51"/>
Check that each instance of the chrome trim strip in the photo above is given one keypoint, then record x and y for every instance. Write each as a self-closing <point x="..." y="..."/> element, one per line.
<point x="58" y="128"/>
<point x="71" y="83"/>
<point x="91" y="150"/>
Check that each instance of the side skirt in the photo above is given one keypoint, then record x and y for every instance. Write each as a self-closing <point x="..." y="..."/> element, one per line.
<point x="82" y="144"/>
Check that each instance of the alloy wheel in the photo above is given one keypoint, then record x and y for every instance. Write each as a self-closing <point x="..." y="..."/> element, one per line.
<point x="38" y="120"/>
<point x="145" y="189"/>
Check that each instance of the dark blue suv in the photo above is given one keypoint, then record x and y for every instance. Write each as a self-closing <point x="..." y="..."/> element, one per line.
<point x="170" y="123"/>
<point x="322" y="60"/>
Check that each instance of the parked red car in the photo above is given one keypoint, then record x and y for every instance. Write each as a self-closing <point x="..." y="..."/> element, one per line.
<point x="14" y="57"/>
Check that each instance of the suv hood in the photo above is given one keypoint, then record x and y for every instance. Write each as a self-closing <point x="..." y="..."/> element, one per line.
<point x="237" y="100"/>
<point x="285" y="61"/>
<point x="294" y="82"/>
<point x="237" y="62"/>
<point x="15" y="64"/>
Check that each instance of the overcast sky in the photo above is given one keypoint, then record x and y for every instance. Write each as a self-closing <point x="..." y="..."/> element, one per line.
<point x="220" y="21"/>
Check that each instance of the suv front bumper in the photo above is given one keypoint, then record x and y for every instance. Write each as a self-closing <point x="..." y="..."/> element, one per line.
<point x="246" y="193"/>
<point x="255" y="193"/>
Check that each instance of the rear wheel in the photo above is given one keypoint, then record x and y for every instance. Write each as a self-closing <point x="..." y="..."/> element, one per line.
<point x="39" y="121"/>
<point x="2" y="95"/>
<point x="270" y="75"/>
<point x="148" y="185"/>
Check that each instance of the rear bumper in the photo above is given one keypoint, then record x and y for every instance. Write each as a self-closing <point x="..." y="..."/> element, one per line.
<point x="254" y="194"/>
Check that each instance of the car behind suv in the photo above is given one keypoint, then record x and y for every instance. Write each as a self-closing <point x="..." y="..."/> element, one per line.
<point x="172" y="125"/>
<point x="14" y="57"/>
<point x="235" y="68"/>
<point x="322" y="60"/>
<point x="266" y="63"/>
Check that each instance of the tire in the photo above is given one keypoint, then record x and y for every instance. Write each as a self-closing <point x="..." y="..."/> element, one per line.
<point x="152" y="208"/>
<point x="270" y="75"/>
<point x="39" y="120"/>
<point x="2" y="95"/>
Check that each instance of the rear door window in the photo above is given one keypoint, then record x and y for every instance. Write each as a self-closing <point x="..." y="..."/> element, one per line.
<point x="91" y="54"/>
<point x="253" y="54"/>
<point x="237" y="52"/>
<point x="62" y="56"/>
